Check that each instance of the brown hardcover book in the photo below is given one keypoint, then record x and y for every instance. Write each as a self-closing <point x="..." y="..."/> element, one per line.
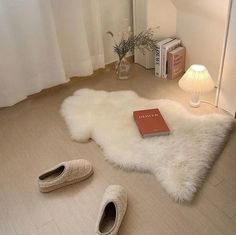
<point x="150" y="122"/>
<point x="176" y="63"/>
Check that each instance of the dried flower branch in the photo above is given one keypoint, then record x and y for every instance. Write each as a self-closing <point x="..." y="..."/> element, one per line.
<point x="143" y="40"/>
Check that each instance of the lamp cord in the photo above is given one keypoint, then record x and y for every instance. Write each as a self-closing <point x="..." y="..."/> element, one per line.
<point x="207" y="102"/>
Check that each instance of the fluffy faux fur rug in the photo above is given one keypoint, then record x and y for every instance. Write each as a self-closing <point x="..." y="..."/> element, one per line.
<point x="179" y="161"/>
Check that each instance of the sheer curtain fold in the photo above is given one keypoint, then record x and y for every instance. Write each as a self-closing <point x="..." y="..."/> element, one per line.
<point x="42" y="43"/>
<point x="81" y="42"/>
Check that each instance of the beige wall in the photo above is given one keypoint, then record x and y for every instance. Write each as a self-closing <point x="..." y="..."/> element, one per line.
<point x="201" y="26"/>
<point x="116" y="17"/>
<point x="227" y="98"/>
<point x="162" y="13"/>
<point x="151" y="14"/>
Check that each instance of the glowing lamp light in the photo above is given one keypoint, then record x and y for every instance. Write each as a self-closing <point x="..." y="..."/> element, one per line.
<point x="196" y="80"/>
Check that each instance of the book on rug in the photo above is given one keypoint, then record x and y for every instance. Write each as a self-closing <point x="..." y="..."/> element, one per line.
<point x="150" y="122"/>
<point x="176" y="63"/>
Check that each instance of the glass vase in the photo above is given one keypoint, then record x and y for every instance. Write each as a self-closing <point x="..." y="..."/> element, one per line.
<point x="123" y="69"/>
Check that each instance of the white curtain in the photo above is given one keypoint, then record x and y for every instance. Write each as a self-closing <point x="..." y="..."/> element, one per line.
<point x="43" y="43"/>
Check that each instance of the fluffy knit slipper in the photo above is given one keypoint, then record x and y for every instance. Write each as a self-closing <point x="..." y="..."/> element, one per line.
<point x="112" y="210"/>
<point x="64" y="174"/>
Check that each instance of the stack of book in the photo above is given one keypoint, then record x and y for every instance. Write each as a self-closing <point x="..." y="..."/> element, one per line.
<point x="170" y="59"/>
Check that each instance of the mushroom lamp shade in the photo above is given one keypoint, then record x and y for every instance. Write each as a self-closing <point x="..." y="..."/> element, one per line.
<point x="196" y="80"/>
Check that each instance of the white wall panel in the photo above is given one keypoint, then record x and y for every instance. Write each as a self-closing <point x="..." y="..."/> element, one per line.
<point x="227" y="97"/>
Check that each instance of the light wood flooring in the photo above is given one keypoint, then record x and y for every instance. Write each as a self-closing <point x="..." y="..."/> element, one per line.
<point x="33" y="137"/>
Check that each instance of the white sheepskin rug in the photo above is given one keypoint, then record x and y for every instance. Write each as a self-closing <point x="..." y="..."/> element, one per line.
<point x="179" y="161"/>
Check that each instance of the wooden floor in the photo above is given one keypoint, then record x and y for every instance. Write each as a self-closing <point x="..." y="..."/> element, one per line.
<point x="33" y="137"/>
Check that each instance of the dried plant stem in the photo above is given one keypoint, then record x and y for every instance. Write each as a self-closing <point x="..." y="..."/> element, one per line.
<point x="143" y="40"/>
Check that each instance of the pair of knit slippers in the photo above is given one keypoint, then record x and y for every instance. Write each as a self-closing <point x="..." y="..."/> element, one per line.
<point x="114" y="202"/>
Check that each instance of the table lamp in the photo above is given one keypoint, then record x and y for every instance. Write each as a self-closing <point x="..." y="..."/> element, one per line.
<point x="196" y="80"/>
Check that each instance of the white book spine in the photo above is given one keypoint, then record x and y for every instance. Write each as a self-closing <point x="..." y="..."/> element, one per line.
<point x="157" y="61"/>
<point x="165" y="49"/>
<point x="158" y="56"/>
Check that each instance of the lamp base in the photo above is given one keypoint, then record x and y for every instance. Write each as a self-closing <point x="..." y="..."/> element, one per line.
<point x="195" y="102"/>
